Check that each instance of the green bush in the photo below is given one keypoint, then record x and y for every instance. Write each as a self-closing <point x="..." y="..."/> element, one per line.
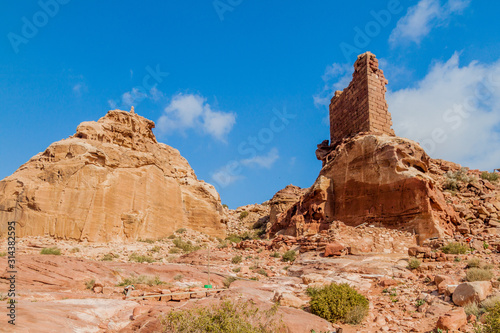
<point x="225" y="206"/>
<point x="186" y="247"/>
<point x="492" y="322"/>
<point x="237" y="269"/>
<point x="414" y="263"/>
<point x="243" y="214"/>
<point x="228" y="280"/>
<point x="490" y="176"/>
<point x="262" y="271"/>
<point x="140" y="258"/>
<point x="51" y="250"/>
<point x="478" y="274"/>
<point x="90" y="284"/>
<point x="276" y="255"/>
<point x="338" y="302"/>
<point x="148" y="240"/>
<point x="3" y="254"/>
<point x="234" y="238"/>
<point x="228" y="317"/>
<point x="155" y="249"/>
<point x="141" y="279"/>
<point x="490" y="302"/>
<point x="181" y="230"/>
<point x="109" y="257"/>
<point x="236" y="259"/>
<point x="455" y="248"/>
<point x="171" y="236"/>
<point x="289" y="256"/>
<point x="452" y="179"/>
<point x="174" y="250"/>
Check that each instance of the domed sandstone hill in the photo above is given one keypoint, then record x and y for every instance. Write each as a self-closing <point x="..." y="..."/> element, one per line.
<point x="111" y="181"/>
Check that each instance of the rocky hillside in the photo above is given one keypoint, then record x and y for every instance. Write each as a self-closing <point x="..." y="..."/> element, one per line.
<point x="111" y="181"/>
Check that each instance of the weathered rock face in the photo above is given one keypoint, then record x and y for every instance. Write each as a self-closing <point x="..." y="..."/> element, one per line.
<point x="283" y="200"/>
<point x="378" y="179"/>
<point x="111" y="181"/>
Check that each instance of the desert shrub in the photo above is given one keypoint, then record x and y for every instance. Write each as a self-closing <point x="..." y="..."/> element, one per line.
<point x="74" y="250"/>
<point x="262" y="271"/>
<point x="140" y="258"/>
<point x="225" y="206"/>
<point x="490" y="176"/>
<point x="455" y="248"/>
<point x="473" y="309"/>
<point x="90" y="284"/>
<point x="109" y="257"/>
<point x="171" y="236"/>
<point x="228" y="280"/>
<point x="276" y="255"/>
<point x="222" y="244"/>
<point x="51" y="250"/>
<point x="3" y="254"/>
<point x="414" y="263"/>
<point x="186" y="247"/>
<point x="338" y="302"/>
<point x="485" y="245"/>
<point x="174" y="250"/>
<point x="178" y="277"/>
<point x="478" y="274"/>
<point x="155" y="249"/>
<point x="473" y="263"/>
<point x="141" y="279"/>
<point x="289" y="256"/>
<point x="237" y="269"/>
<point x="236" y="259"/>
<point x="492" y="320"/>
<point x="228" y="317"/>
<point x="234" y="238"/>
<point x="148" y="240"/>
<point x="181" y="230"/>
<point x="490" y="302"/>
<point x="243" y="214"/>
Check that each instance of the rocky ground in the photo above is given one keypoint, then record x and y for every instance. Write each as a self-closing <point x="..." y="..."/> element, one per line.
<point x="82" y="288"/>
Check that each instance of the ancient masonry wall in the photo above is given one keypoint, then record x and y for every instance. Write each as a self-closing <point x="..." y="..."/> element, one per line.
<point x="361" y="107"/>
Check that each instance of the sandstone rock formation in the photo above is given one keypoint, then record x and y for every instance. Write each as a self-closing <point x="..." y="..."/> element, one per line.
<point x="111" y="181"/>
<point x="377" y="179"/>
<point x="369" y="175"/>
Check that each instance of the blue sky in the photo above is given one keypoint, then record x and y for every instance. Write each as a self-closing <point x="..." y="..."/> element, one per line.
<point x="241" y="87"/>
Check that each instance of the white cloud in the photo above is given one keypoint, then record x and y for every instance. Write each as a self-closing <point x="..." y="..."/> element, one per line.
<point x="263" y="161"/>
<point x="225" y="176"/>
<point x="79" y="89"/>
<point x="187" y="111"/>
<point x="336" y="77"/>
<point x="454" y="112"/>
<point x="423" y="17"/>
<point x="133" y="97"/>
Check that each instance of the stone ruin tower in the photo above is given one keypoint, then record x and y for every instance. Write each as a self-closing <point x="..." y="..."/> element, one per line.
<point x="361" y="107"/>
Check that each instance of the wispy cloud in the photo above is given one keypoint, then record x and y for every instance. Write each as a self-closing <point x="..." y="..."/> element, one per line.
<point x="79" y="89"/>
<point x="263" y="161"/>
<point x="423" y="17"/>
<point x="454" y="112"/>
<point x="189" y="111"/>
<point x="226" y="175"/>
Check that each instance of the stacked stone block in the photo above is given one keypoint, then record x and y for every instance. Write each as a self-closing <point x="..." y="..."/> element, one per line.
<point x="361" y="107"/>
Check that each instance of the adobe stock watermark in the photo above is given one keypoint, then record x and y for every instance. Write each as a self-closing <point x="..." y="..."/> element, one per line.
<point x="250" y="147"/>
<point x="31" y="27"/>
<point x="223" y="6"/>
<point x="138" y="93"/>
<point x="372" y="29"/>
<point x="457" y="115"/>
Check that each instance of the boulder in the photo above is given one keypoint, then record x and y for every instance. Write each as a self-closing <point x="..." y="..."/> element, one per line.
<point x="453" y="320"/>
<point x="334" y="249"/>
<point x="471" y="292"/>
<point x="111" y="181"/>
